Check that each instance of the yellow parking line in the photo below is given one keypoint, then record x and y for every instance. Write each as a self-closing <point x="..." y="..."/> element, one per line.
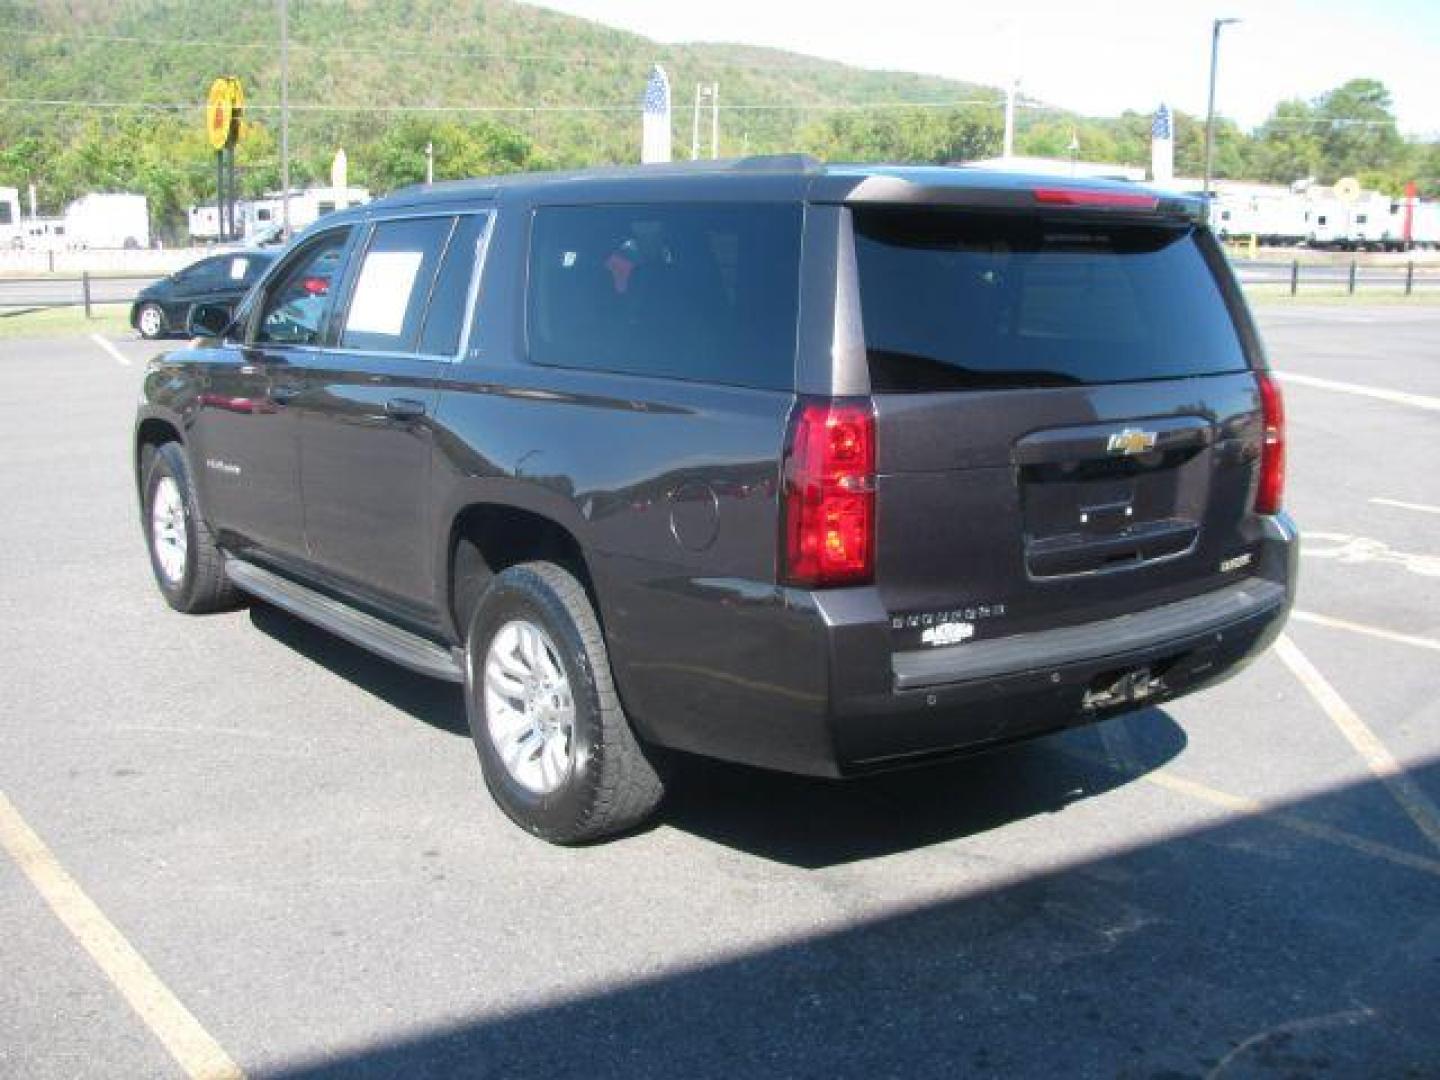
<point x="1411" y="799"/>
<point x="1123" y="759"/>
<point x="192" y="1047"/>
<point x="1239" y="804"/>
<point x="1362" y="628"/>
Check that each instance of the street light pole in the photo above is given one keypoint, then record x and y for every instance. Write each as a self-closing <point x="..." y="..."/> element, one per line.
<point x="284" y="119"/>
<point x="1210" y="108"/>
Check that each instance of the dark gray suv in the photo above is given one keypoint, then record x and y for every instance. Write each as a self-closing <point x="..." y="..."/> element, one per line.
<point x="822" y="469"/>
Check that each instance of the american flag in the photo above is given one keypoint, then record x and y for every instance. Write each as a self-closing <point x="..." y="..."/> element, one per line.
<point x="655" y="117"/>
<point x="1160" y="128"/>
<point x="1162" y="146"/>
<point x="657" y="93"/>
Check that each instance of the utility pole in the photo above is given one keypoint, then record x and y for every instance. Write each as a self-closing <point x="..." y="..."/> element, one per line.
<point x="1008" y="149"/>
<point x="702" y="91"/>
<point x="714" y="120"/>
<point x="1012" y="89"/>
<point x="1210" y="108"/>
<point x="285" y="119"/>
<point x="695" y="123"/>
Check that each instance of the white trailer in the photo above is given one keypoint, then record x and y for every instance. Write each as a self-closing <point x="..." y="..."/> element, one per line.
<point x="1272" y="214"/>
<point x="310" y="205"/>
<point x="44" y="234"/>
<point x="1425" y="225"/>
<point x="11" y="228"/>
<point x="108" y="221"/>
<point x="261" y="218"/>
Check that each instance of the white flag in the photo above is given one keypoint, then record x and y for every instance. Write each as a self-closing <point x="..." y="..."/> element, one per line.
<point x="1162" y="147"/>
<point x="655" y="131"/>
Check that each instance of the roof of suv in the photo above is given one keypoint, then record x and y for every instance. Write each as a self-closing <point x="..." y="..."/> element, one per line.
<point x="794" y="176"/>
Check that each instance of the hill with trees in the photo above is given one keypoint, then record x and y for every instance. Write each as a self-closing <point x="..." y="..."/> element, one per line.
<point x="105" y="96"/>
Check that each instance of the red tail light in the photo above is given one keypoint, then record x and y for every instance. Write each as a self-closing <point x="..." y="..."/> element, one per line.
<point x="1270" y="492"/>
<point x="1091" y="197"/>
<point x="830" y="494"/>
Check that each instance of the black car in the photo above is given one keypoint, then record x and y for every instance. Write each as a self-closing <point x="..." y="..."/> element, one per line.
<point x="822" y="469"/>
<point x="164" y="307"/>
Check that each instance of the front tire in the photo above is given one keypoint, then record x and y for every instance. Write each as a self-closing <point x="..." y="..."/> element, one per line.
<point x="557" y="752"/>
<point x="150" y="321"/>
<point x="189" y="567"/>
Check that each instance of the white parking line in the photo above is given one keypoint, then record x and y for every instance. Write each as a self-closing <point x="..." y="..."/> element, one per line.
<point x="1400" y="505"/>
<point x="1361" y="628"/>
<point x="1411" y="799"/>
<point x="1399" y="397"/>
<point x="116" y="354"/>
<point x="192" y="1047"/>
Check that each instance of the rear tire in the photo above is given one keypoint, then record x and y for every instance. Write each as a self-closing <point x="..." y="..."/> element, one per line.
<point x="557" y="752"/>
<point x="189" y="567"/>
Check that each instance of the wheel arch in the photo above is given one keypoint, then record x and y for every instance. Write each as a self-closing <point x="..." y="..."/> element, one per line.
<point x="488" y="536"/>
<point x="152" y="432"/>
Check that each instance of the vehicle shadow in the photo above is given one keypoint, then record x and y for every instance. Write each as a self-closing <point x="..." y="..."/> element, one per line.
<point x="439" y="704"/>
<point x="1230" y="948"/>
<point x="803" y="821"/>
<point x="814" y="823"/>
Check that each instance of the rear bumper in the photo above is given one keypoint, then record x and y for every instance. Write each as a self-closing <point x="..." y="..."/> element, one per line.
<point x="865" y="707"/>
<point x="966" y="697"/>
<point x="1210" y="615"/>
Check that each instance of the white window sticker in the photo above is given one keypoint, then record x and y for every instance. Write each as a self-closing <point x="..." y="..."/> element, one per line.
<point x="382" y="294"/>
<point x="237" y="269"/>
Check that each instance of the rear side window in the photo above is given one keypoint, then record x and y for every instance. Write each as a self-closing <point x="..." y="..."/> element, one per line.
<point x="956" y="300"/>
<point x="443" y="322"/>
<point x="393" y="285"/>
<point x="698" y="292"/>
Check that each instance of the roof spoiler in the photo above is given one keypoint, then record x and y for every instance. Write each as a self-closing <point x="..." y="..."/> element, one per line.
<point x="1029" y="194"/>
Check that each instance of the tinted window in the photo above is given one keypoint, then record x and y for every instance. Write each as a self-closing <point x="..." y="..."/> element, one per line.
<point x="393" y="285"/>
<point x="446" y="317"/>
<point x="298" y="303"/>
<point x="953" y="300"/>
<point x="6" y="214"/>
<point x="206" y="272"/>
<point x="689" y="292"/>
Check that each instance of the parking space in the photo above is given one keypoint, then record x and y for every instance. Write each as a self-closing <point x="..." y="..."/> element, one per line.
<point x="293" y="839"/>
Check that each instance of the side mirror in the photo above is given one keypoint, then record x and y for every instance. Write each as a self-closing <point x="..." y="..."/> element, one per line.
<point x="210" y="320"/>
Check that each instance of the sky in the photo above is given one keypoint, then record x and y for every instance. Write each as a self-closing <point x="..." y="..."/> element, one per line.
<point x="1093" y="56"/>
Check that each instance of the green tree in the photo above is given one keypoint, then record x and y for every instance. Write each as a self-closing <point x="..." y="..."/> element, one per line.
<point x="474" y="148"/>
<point x="1358" y="132"/>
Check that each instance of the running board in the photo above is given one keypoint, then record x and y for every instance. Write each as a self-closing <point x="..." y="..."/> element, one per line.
<point x="342" y="620"/>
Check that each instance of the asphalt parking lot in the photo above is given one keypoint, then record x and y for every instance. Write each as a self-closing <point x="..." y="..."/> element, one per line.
<point x="234" y="843"/>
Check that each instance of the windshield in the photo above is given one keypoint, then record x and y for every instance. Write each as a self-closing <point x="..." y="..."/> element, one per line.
<point x="991" y="300"/>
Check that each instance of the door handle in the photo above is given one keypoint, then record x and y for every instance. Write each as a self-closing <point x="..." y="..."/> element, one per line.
<point x="404" y="409"/>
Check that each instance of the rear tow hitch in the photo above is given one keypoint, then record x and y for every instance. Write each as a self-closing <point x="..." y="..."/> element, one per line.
<point x="1128" y="688"/>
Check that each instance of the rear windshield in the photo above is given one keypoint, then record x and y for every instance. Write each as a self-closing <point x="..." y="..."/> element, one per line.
<point x="955" y="300"/>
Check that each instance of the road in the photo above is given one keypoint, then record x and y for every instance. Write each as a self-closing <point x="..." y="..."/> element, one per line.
<point x="37" y="292"/>
<point x="291" y="865"/>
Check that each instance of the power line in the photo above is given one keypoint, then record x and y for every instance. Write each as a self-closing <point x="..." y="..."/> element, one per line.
<point x="539" y="107"/>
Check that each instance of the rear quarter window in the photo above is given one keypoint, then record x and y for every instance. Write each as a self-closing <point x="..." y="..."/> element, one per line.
<point x="955" y="300"/>
<point x="703" y="293"/>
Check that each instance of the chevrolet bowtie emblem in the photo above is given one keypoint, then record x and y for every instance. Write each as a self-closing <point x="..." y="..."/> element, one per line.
<point x="1131" y="441"/>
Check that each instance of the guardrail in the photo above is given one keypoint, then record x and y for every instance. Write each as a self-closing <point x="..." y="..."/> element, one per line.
<point x="81" y="290"/>
<point x="1353" y="276"/>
